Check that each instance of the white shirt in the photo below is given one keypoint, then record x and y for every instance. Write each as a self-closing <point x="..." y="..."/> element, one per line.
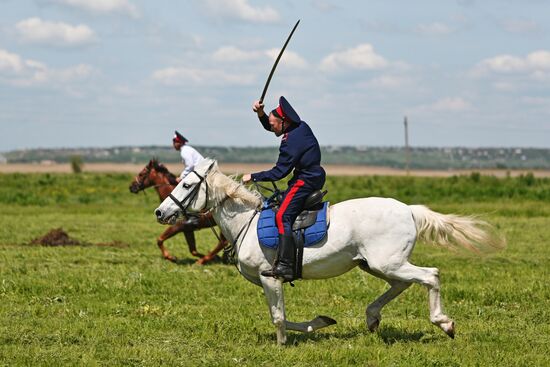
<point x="190" y="158"/>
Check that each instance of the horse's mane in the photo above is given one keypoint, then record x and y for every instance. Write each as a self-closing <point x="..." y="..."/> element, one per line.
<point x="228" y="186"/>
<point x="161" y="168"/>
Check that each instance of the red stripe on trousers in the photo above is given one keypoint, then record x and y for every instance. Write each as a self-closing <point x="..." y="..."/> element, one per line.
<point x="285" y="203"/>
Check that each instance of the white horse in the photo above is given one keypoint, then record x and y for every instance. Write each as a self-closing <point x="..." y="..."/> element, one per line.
<point x="376" y="234"/>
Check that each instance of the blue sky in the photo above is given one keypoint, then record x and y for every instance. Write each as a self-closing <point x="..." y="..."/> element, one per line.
<point x="128" y="72"/>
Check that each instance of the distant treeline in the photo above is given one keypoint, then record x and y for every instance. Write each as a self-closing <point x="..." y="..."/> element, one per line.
<point x="112" y="188"/>
<point x="395" y="157"/>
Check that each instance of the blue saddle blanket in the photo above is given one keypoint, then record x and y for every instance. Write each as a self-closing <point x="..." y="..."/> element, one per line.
<point x="268" y="235"/>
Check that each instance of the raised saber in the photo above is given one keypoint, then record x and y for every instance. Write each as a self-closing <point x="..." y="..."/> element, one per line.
<point x="276" y="62"/>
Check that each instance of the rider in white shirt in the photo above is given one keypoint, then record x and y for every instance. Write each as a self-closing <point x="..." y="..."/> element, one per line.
<point x="189" y="155"/>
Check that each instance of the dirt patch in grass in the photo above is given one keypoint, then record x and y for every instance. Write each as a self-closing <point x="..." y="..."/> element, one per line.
<point x="58" y="237"/>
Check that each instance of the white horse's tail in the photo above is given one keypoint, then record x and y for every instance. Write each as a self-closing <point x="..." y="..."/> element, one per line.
<point x="454" y="231"/>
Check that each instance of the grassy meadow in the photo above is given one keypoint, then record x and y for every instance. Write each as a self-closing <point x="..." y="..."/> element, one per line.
<point x="107" y="305"/>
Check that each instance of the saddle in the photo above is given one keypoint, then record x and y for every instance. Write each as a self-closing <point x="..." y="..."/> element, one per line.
<point x="309" y="228"/>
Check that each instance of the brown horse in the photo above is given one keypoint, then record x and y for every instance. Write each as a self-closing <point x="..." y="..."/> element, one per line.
<point x="157" y="175"/>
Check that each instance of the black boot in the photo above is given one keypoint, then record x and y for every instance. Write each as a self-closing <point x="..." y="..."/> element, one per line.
<point x="193" y="221"/>
<point x="284" y="265"/>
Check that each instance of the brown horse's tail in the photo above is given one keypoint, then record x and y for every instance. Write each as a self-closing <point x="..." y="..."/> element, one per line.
<point x="454" y="231"/>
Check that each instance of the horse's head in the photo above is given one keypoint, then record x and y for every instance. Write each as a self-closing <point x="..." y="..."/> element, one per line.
<point x="190" y="195"/>
<point x="144" y="178"/>
<point x="151" y="175"/>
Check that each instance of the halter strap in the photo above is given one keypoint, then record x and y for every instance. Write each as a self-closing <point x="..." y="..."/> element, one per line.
<point x="193" y="193"/>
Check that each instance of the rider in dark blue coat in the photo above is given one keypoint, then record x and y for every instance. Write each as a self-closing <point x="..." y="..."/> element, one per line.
<point x="299" y="151"/>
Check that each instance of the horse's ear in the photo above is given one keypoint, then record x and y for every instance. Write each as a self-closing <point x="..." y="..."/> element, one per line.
<point x="155" y="162"/>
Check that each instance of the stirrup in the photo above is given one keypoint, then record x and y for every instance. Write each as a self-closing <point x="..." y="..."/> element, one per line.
<point x="273" y="274"/>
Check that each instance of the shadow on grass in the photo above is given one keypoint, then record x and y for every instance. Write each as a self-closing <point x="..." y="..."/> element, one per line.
<point x="191" y="261"/>
<point x="297" y="338"/>
<point x="389" y="335"/>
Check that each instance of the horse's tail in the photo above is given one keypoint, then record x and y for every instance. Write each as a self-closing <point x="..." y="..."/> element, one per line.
<point x="454" y="231"/>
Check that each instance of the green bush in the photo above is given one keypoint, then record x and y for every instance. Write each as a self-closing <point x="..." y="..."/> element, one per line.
<point x="76" y="163"/>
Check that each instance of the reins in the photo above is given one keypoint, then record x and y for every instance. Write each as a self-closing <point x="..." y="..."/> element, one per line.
<point x="232" y="250"/>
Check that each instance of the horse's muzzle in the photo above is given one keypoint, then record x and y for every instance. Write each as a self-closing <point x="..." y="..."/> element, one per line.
<point x="162" y="219"/>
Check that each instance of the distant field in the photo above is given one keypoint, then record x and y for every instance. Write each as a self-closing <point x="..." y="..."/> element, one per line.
<point x="99" y="305"/>
<point x="338" y="170"/>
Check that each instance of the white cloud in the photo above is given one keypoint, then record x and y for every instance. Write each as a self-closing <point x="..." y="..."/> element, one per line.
<point x="521" y="26"/>
<point x="505" y="86"/>
<point x="234" y="54"/>
<point x="103" y="6"/>
<point x="448" y="104"/>
<point x="539" y="60"/>
<point x="241" y="10"/>
<point x="205" y="76"/>
<point x="289" y="59"/>
<point x="389" y="82"/>
<point x="324" y="6"/>
<point x="433" y="29"/>
<point x="452" y="104"/>
<point x="534" y="62"/>
<point x="36" y="30"/>
<point x="361" y="57"/>
<point x="10" y="62"/>
<point x="17" y="71"/>
<point x="536" y="101"/>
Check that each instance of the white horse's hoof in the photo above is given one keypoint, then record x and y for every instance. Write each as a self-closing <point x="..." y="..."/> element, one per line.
<point x="448" y="328"/>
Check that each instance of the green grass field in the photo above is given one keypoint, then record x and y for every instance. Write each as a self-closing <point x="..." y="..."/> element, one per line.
<point x="100" y="305"/>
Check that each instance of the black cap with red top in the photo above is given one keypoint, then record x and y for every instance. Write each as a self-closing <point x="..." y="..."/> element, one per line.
<point x="179" y="138"/>
<point x="285" y="111"/>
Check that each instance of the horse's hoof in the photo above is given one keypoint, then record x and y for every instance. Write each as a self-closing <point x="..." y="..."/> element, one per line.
<point x="373" y="324"/>
<point x="171" y="258"/>
<point x="202" y="261"/>
<point x="449" y="330"/>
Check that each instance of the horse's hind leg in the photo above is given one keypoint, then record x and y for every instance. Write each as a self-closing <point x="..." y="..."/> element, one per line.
<point x="373" y="310"/>
<point x="273" y="291"/>
<point x="429" y="277"/>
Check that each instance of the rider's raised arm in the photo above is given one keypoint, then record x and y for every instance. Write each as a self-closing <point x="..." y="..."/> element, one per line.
<point x="258" y="107"/>
<point x="264" y="119"/>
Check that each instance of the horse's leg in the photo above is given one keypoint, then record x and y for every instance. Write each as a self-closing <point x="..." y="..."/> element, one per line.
<point x="190" y="238"/>
<point x="208" y="257"/>
<point x="273" y="290"/>
<point x="373" y="310"/>
<point x="429" y="277"/>
<point x="168" y="233"/>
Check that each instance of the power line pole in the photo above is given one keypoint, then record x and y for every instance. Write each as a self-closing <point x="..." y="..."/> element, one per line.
<point x="407" y="150"/>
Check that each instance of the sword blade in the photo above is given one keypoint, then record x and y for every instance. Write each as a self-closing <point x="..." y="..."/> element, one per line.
<point x="277" y="61"/>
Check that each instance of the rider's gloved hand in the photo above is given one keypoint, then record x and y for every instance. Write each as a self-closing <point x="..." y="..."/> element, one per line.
<point x="258" y="107"/>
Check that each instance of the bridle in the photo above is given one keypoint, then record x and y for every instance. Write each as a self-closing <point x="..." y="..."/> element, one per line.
<point x="184" y="203"/>
<point x="233" y="248"/>
<point x="145" y="175"/>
